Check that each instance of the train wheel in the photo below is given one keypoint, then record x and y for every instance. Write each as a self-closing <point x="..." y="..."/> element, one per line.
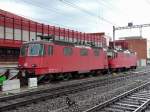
<point x="57" y="77"/>
<point x="70" y="75"/>
<point x="81" y="76"/>
<point x="51" y="78"/>
<point x="75" y="75"/>
<point x="90" y="75"/>
<point x="119" y="70"/>
<point x="66" y="76"/>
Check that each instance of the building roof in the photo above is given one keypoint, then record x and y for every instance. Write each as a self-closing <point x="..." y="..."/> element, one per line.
<point x="131" y="38"/>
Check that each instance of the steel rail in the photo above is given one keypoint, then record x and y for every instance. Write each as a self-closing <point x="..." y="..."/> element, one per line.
<point x="119" y="97"/>
<point x="101" y="81"/>
<point x="143" y="106"/>
<point x="54" y="92"/>
<point x="29" y="97"/>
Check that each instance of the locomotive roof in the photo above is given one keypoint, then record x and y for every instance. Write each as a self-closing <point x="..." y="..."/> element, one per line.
<point x="32" y="42"/>
<point x="59" y="43"/>
<point x="51" y="39"/>
<point x="48" y="42"/>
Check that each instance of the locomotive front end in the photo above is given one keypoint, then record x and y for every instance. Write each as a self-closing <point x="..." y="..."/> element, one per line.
<point x="31" y="58"/>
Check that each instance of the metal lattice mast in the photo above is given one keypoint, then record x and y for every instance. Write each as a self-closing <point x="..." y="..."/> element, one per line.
<point x="130" y="26"/>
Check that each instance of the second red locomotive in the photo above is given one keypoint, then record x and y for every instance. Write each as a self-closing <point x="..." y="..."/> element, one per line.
<point x="121" y="60"/>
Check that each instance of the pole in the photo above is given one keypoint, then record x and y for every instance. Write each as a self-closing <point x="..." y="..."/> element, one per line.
<point x="140" y="31"/>
<point x="114" y="36"/>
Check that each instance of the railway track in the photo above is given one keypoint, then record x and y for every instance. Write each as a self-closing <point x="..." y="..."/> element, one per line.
<point x="135" y="100"/>
<point x="13" y="101"/>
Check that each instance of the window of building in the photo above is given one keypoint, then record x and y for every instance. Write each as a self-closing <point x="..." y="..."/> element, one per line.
<point x="50" y="50"/>
<point x="83" y="52"/>
<point x="68" y="51"/>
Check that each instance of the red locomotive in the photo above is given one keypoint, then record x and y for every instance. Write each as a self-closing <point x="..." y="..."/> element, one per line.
<point x="121" y="60"/>
<point x="57" y="58"/>
<point x="54" y="58"/>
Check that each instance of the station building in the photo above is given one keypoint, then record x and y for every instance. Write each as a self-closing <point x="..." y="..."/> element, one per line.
<point x="15" y="30"/>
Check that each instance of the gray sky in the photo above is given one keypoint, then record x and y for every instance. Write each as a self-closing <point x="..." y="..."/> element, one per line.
<point x="85" y="15"/>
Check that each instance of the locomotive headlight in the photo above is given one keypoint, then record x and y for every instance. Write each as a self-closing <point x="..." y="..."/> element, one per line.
<point x="25" y="64"/>
<point x="19" y="65"/>
<point x="34" y="65"/>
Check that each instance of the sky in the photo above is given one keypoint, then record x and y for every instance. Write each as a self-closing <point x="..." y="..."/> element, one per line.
<point x="85" y="15"/>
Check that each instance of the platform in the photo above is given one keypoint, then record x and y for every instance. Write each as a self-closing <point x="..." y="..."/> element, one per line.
<point x="8" y="64"/>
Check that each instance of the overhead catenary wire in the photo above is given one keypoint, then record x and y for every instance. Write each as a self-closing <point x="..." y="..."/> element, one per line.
<point x="43" y="20"/>
<point x="48" y="22"/>
<point x="111" y="7"/>
<point x="52" y="10"/>
<point x="39" y="5"/>
<point x="85" y="11"/>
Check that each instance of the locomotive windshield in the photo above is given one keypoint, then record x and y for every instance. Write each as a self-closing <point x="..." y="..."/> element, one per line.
<point x="35" y="50"/>
<point x="32" y="50"/>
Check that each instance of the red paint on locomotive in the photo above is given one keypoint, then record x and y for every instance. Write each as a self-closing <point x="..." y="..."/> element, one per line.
<point x="47" y="58"/>
<point x="122" y="60"/>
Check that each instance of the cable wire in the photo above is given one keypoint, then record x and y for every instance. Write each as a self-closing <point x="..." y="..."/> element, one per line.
<point x="85" y="11"/>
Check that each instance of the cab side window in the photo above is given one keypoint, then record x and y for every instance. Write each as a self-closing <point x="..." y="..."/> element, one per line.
<point x="50" y="50"/>
<point x="83" y="52"/>
<point x="68" y="51"/>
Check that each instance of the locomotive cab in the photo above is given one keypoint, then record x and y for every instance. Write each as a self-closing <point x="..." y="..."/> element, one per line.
<point x="31" y="56"/>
